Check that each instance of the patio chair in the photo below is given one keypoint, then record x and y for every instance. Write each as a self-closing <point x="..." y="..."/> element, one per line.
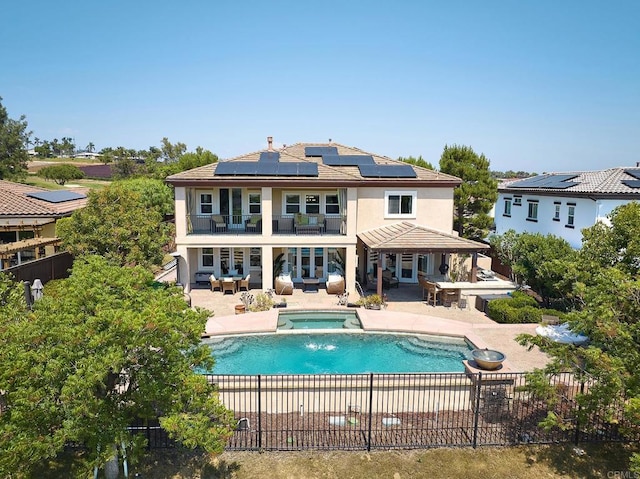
<point x="244" y="283"/>
<point x="284" y="284"/>
<point x="430" y="291"/>
<point x="372" y="283"/>
<point x="215" y="283"/>
<point x="389" y="280"/>
<point x="218" y="224"/>
<point x="228" y="284"/>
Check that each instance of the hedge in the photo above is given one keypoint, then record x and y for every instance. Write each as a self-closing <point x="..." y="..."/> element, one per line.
<point x="520" y="308"/>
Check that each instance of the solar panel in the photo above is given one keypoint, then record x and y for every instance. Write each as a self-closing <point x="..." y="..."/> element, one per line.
<point x="59" y="196"/>
<point x="266" y="168"/>
<point x="631" y="183"/>
<point x="347" y="160"/>
<point x="320" y="150"/>
<point x="387" y="171"/>
<point x="559" y="182"/>
<point x="270" y="156"/>
<point x="634" y="173"/>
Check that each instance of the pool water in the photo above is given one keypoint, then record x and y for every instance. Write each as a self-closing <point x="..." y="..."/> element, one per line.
<point x="336" y="353"/>
<point x="319" y="320"/>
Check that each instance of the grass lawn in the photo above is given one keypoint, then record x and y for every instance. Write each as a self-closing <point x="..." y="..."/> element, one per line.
<point x="597" y="461"/>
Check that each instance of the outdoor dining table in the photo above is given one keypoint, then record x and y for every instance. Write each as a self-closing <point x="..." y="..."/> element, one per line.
<point x="450" y="291"/>
<point x="235" y="278"/>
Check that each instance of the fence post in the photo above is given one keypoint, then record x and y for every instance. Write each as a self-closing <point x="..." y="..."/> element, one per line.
<point x="577" y="437"/>
<point x="477" y="410"/>
<point x="370" y="411"/>
<point x="259" y="412"/>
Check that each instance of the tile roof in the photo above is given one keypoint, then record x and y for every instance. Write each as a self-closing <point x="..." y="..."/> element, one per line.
<point x="296" y="153"/>
<point x="604" y="182"/>
<point x="15" y="202"/>
<point x="408" y="237"/>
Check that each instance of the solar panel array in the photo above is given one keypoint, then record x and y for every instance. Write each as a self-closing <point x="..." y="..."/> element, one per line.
<point x="320" y="150"/>
<point x="265" y="168"/>
<point x="632" y="183"/>
<point x="59" y="196"/>
<point x="347" y="160"/>
<point x="270" y="156"/>
<point x="556" y="182"/>
<point x="387" y="171"/>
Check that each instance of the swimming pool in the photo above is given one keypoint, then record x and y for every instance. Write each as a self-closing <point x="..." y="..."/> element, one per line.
<point x="318" y="320"/>
<point x="336" y="353"/>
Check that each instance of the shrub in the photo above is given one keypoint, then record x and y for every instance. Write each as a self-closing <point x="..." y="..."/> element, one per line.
<point x="520" y="308"/>
<point x="262" y="302"/>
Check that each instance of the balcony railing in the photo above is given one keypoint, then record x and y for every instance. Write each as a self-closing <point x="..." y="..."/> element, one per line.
<point x="216" y="224"/>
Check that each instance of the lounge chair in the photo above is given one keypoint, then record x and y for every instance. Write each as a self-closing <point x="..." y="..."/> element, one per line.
<point x="335" y="284"/>
<point x="284" y="284"/>
<point x="215" y="283"/>
<point x="372" y="283"/>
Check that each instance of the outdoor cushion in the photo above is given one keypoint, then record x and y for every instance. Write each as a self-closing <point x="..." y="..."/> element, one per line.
<point x="313" y="220"/>
<point x="254" y="219"/>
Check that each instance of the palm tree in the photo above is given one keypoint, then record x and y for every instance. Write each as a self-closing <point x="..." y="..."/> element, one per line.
<point x="91" y="147"/>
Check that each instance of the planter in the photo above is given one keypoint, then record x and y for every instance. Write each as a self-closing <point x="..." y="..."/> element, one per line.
<point x="240" y="309"/>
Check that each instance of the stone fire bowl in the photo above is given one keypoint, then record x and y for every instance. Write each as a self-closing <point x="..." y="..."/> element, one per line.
<point x="488" y="359"/>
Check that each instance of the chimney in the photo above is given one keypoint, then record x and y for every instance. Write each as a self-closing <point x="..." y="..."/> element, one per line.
<point x="270" y="142"/>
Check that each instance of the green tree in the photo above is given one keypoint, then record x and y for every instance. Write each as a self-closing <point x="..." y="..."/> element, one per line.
<point x="61" y="173"/>
<point x="187" y="161"/>
<point x="100" y="350"/>
<point x="91" y="147"/>
<point x="172" y="152"/>
<point x="13" y="138"/>
<point x="154" y="194"/>
<point x="124" y="162"/>
<point x="116" y="224"/>
<point x="475" y="197"/>
<point x="417" y="162"/>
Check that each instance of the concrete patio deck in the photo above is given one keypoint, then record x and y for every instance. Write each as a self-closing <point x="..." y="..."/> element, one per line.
<point x="405" y="312"/>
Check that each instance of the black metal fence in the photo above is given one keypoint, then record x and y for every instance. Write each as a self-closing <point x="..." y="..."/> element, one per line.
<point x="385" y="411"/>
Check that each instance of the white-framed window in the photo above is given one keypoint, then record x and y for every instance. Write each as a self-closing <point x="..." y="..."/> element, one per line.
<point x="532" y="214"/>
<point x="400" y="204"/>
<point x="312" y="203"/>
<point x="332" y="206"/>
<point x="517" y="200"/>
<point x="556" y="213"/>
<point x="255" y="204"/>
<point x="571" y="215"/>
<point x="507" y="207"/>
<point x="291" y="203"/>
<point x="206" y="203"/>
<point x="207" y="258"/>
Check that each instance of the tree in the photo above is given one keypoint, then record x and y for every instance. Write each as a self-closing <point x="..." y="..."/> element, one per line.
<point x="186" y="161"/>
<point x="475" y="197"/>
<point x="417" y="162"/>
<point x="90" y="147"/>
<point x="171" y="152"/>
<point x="61" y="173"/>
<point x="13" y="154"/>
<point x="154" y="194"/>
<point x="100" y="350"/>
<point x="117" y="224"/>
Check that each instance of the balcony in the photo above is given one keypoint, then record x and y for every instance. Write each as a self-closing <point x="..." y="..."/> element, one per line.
<point x="297" y="225"/>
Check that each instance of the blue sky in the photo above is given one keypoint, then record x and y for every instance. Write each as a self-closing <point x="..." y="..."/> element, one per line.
<point x="534" y="85"/>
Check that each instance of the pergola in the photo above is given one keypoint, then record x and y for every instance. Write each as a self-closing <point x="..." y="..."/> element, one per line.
<point x="9" y="249"/>
<point x="409" y="238"/>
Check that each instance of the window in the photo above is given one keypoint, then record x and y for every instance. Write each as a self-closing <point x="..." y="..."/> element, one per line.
<point x="292" y="204"/>
<point x="532" y="215"/>
<point x="507" y="207"/>
<point x="571" y="213"/>
<point x="254" y="203"/>
<point x="399" y="204"/>
<point x="331" y="205"/>
<point x="206" y="204"/>
<point x="207" y="257"/>
<point x="517" y="200"/>
<point x="312" y="204"/>
<point x="556" y="214"/>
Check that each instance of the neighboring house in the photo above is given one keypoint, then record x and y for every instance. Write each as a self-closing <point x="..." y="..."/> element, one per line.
<point x="563" y="204"/>
<point x="28" y="218"/>
<point x="87" y="155"/>
<point x="325" y="207"/>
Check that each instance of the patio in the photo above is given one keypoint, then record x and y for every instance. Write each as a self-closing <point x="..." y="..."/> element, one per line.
<point x="405" y="312"/>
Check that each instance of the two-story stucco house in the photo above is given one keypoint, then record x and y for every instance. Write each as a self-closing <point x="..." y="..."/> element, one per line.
<point x="563" y="204"/>
<point x="313" y="209"/>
